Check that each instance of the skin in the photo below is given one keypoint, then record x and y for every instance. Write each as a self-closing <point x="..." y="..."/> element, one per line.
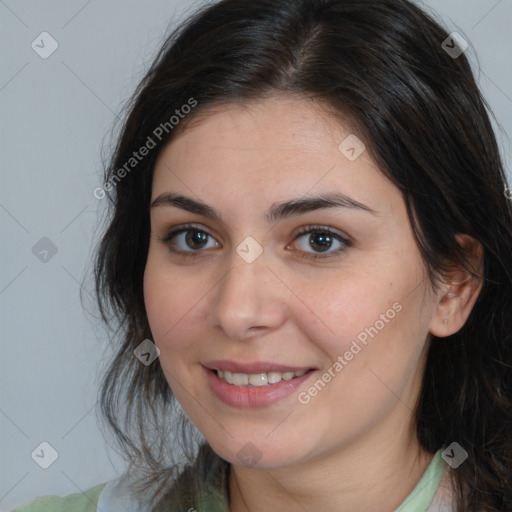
<point x="353" y="446"/>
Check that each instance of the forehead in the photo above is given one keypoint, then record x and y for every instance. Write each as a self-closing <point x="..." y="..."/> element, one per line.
<point x="270" y="149"/>
<point x="284" y="123"/>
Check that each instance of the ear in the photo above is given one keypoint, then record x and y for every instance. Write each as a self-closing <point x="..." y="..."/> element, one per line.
<point x="459" y="291"/>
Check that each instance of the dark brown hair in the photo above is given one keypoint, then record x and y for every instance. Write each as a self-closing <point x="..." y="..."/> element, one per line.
<point x="381" y="65"/>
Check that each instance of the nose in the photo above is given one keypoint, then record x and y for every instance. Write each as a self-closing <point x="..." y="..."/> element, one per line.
<point x="248" y="301"/>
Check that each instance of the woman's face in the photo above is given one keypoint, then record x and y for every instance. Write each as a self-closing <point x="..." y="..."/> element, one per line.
<point x="300" y="257"/>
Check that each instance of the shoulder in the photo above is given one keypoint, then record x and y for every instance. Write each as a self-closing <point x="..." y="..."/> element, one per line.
<point x="202" y="485"/>
<point x="86" y="501"/>
<point x="444" y="499"/>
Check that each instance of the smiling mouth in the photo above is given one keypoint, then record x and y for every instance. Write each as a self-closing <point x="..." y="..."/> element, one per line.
<point x="257" y="379"/>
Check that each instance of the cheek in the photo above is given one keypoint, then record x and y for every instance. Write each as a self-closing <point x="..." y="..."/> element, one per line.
<point x="368" y="326"/>
<point x="171" y="301"/>
<point x="347" y="309"/>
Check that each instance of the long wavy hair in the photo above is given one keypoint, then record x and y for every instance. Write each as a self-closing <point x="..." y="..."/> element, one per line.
<point x="382" y="65"/>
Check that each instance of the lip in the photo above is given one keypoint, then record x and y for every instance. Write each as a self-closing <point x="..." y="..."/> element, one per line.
<point x="252" y="397"/>
<point x="251" y="368"/>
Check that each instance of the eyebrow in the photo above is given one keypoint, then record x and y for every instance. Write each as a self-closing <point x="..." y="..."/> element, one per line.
<point x="277" y="211"/>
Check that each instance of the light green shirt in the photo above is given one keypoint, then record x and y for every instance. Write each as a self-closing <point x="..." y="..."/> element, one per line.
<point x="211" y="494"/>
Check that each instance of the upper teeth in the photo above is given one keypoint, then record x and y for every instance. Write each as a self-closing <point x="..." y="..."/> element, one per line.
<point x="257" y="379"/>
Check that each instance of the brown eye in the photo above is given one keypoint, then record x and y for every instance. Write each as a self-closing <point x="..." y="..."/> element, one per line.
<point x="189" y="239"/>
<point x="320" y="241"/>
<point x="196" y="239"/>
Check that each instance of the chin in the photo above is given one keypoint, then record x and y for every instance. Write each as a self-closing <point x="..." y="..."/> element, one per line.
<point x="257" y="453"/>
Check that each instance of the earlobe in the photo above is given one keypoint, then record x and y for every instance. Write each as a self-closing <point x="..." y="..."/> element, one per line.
<point x="459" y="292"/>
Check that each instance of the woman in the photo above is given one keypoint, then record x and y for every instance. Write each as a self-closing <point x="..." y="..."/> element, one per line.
<point x="310" y="258"/>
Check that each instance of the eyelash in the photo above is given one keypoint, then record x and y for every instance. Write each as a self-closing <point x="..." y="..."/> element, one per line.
<point x="308" y="230"/>
<point x="305" y="230"/>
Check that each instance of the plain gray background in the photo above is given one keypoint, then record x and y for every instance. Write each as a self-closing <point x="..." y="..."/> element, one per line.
<point x="55" y="115"/>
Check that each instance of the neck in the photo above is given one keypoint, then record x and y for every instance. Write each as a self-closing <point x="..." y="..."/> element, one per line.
<point x="374" y="475"/>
